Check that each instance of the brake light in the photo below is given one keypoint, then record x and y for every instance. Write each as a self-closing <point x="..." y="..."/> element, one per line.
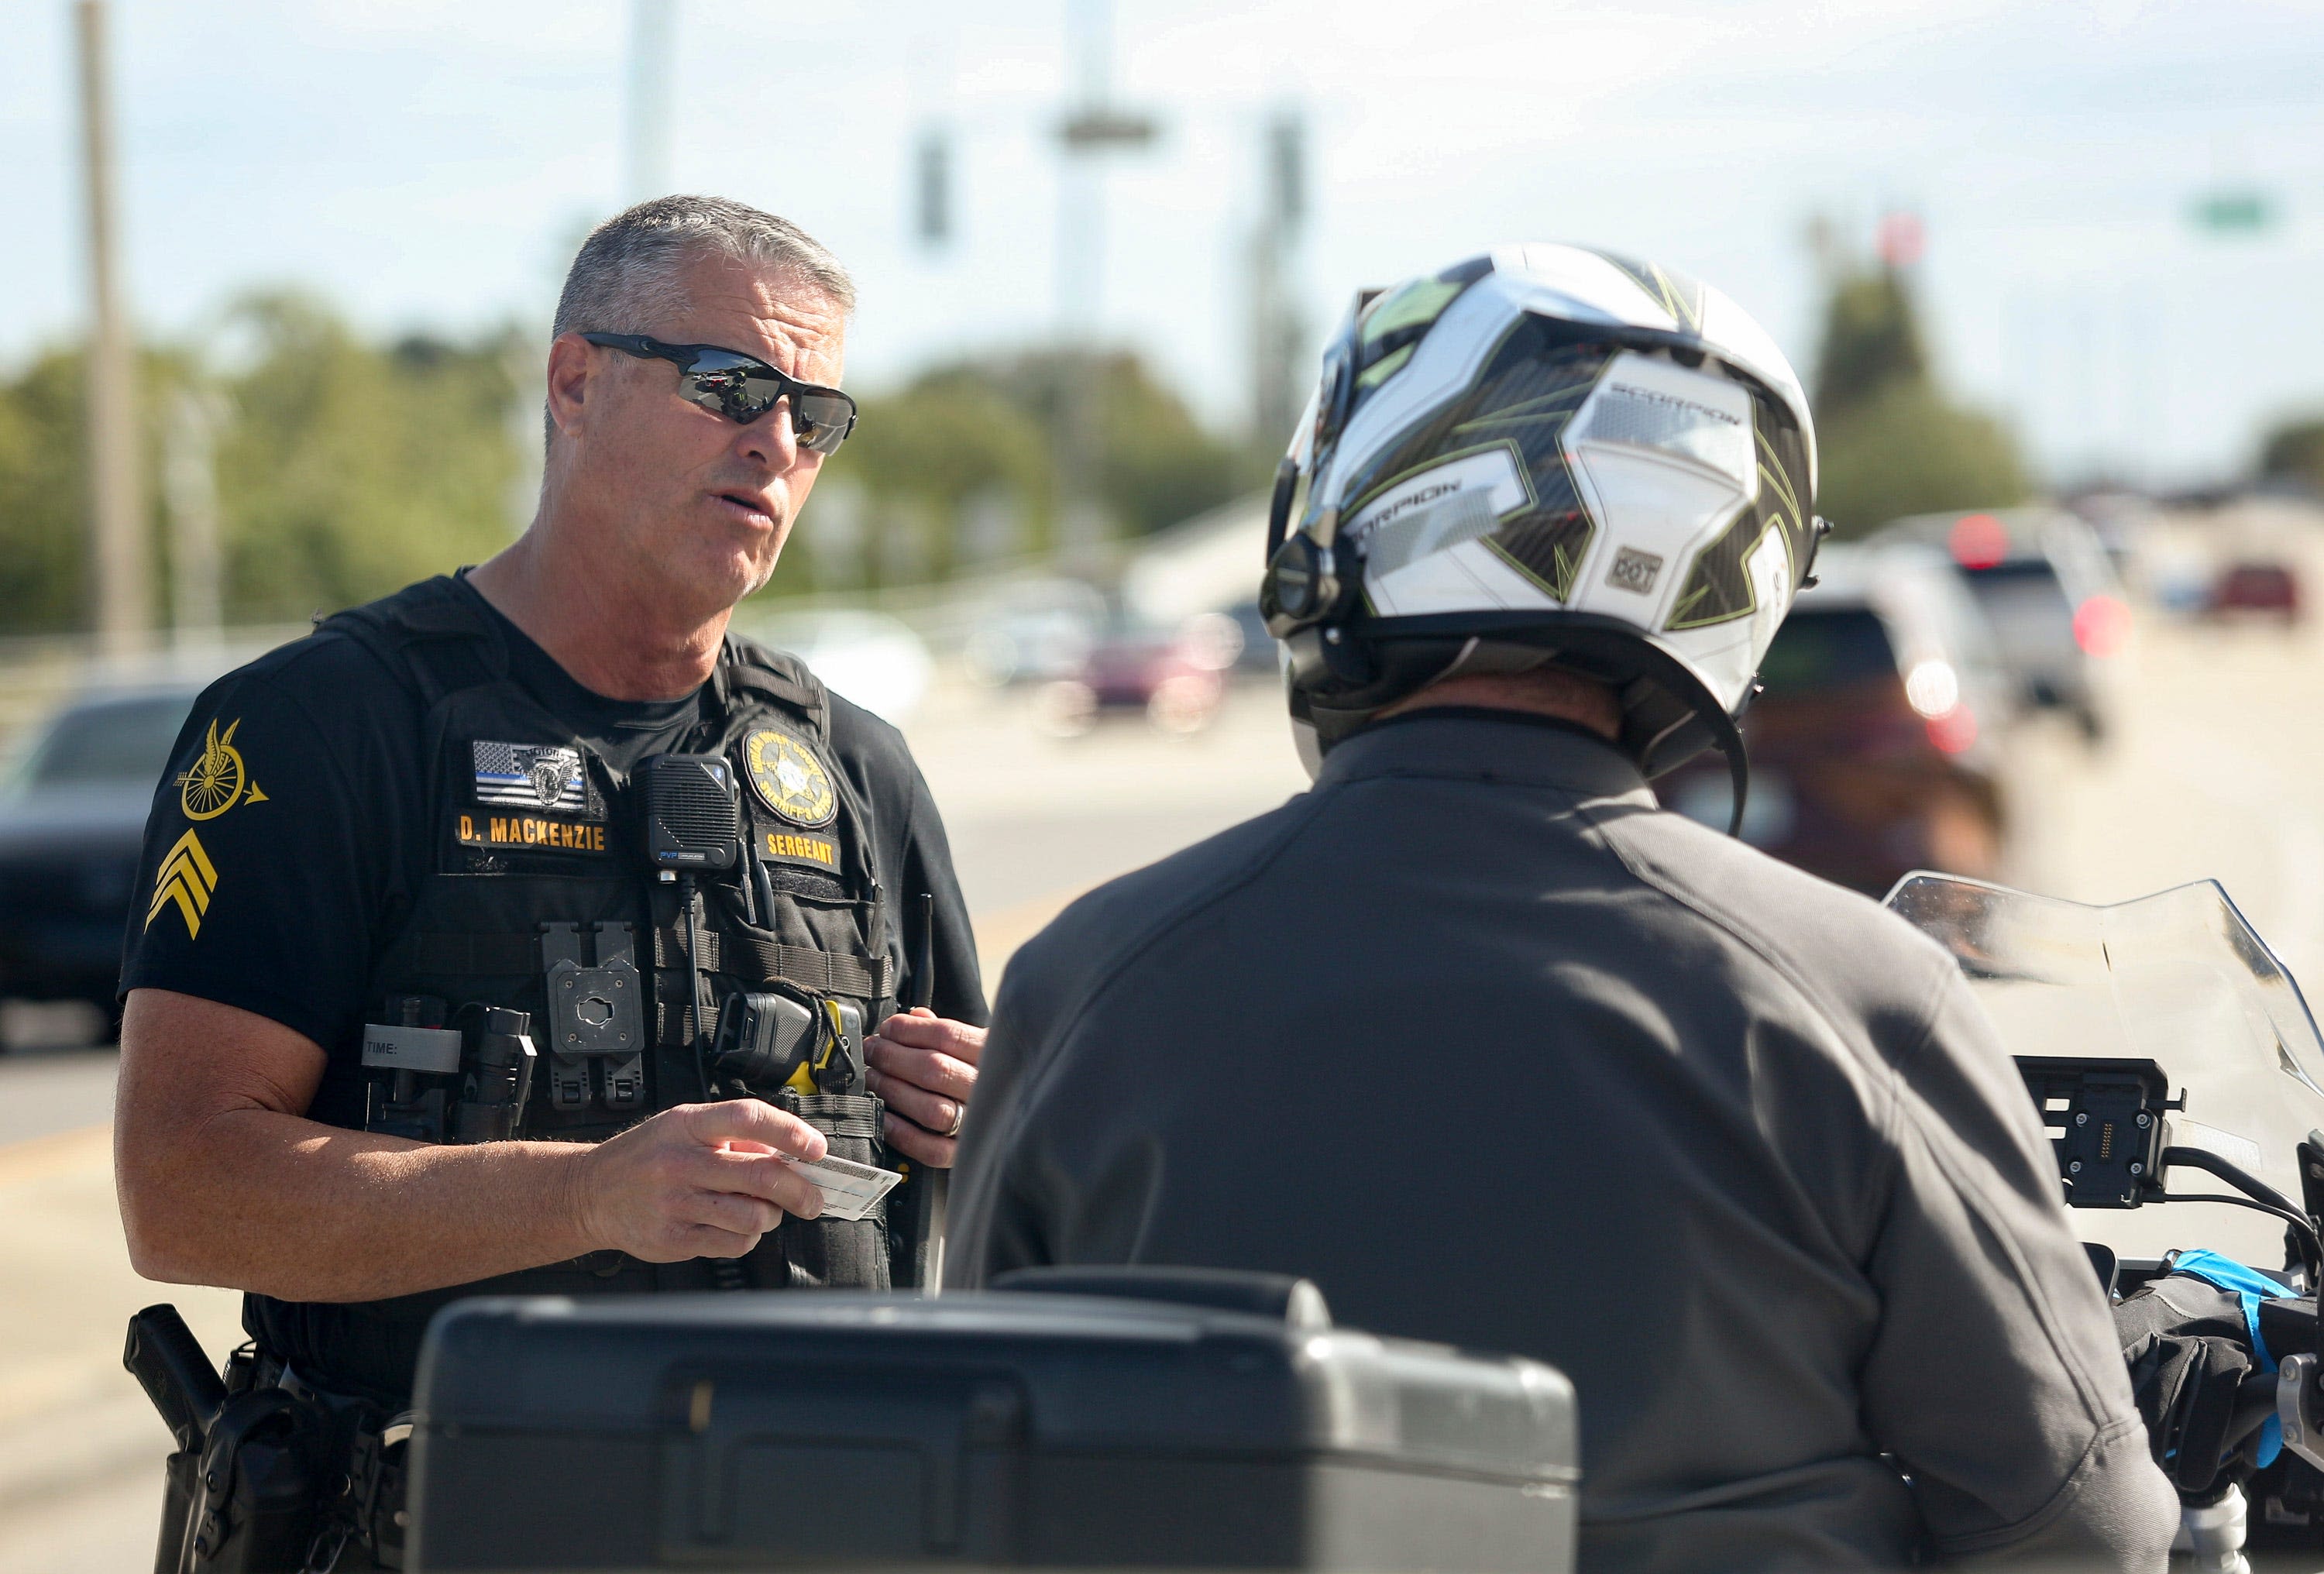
<point x="1954" y="730"/>
<point x="2101" y="624"/>
<point x="1978" y="541"/>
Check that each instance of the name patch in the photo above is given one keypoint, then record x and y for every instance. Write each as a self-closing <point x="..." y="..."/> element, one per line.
<point x="517" y="831"/>
<point x="794" y="847"/>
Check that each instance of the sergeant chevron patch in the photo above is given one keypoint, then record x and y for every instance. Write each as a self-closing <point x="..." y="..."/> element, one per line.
<point x="187" y="877"/>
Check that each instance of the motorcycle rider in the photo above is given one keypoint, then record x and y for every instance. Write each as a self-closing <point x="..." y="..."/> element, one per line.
<point x="1499" y="1054"/>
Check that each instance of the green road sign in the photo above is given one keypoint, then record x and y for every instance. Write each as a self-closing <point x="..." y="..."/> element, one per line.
<point x="2234" y="212"/>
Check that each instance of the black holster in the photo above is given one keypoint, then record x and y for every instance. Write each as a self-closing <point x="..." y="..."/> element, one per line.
<point x="254" y="1500"/>
<point x="271" y="1476"/>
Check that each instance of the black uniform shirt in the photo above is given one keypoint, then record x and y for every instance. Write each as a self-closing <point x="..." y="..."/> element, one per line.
<point x="1499" y="1055"/>
<point x="285" y="897"/>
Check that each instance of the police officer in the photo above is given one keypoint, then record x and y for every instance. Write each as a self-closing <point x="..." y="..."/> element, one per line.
<point x="412" y="1012"/>
<point x="1499" y="1054"/>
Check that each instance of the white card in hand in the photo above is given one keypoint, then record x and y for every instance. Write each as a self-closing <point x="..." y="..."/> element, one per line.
<point x="849" y="1188"/>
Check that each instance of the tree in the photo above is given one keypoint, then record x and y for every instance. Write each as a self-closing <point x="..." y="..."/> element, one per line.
<point x="2294" y="452"/>
<point x="1158" y="464"/>
<point x="349" y="470"/>
<point x="43" y="499"/>
<point x="347" y="467"/>
<point x="958" y="433"/>
<point x="927" y="454"/>
<point x="344" y="469"/>
<point x="1891" y="443"/>
<point x="1871" y="340"/>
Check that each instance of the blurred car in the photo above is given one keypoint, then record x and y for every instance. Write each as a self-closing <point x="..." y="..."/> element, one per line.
<point x="2256" y="586"/>
<point x="1874" y="745"/>
<point x="1177" y="676"/>
<point x="1260" y="654"/>
<point x="870" y="658"/>
<point x="2049" y="592"/>
<point x="1035" y="632"/>
<point x="72" y="823"/>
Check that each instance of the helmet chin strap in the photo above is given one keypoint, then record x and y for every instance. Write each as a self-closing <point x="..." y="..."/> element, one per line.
<point x="1725" y="737"/>
<point x="1730" y="741"/>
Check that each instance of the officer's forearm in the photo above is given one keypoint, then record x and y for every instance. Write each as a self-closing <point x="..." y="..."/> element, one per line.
<point x="220" y="1184"/>
<point x="277" y="1204"/>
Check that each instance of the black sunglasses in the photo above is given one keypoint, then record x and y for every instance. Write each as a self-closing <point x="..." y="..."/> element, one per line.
<point x="742" y="388"/>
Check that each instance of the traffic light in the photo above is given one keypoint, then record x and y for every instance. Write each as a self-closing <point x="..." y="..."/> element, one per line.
<point x="932" y="188"/>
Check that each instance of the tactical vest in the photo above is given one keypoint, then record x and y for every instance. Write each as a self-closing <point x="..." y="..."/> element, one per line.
<point x="530" y="892"/>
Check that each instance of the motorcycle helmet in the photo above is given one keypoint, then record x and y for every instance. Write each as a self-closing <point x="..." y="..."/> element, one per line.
<point x="1545" y="455"/>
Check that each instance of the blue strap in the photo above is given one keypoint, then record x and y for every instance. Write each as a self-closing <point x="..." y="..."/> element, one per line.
<point x="2250" y="1287"/>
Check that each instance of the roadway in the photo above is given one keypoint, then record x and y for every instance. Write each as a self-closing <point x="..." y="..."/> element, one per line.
<point x="2211" y="771"/>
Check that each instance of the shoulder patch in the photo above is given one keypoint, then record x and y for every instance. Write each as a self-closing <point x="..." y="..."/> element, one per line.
<point x="214" y="783"/>
<point x="788" y="778"/>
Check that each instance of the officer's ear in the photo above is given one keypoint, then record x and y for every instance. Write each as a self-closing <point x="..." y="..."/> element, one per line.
<point x="572" y="362"/>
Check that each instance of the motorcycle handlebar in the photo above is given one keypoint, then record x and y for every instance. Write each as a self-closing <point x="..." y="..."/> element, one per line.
<point x="2254" y="1402"/>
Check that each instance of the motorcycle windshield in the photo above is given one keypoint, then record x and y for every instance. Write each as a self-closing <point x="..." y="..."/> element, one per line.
<point x="2179" y="978"/>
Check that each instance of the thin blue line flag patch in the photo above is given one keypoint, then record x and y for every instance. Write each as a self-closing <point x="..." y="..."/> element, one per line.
<point x="531" y="776"/>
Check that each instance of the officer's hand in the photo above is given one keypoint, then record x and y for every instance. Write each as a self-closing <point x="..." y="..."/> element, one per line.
<point x="699" y="1181"/>
<point x="924" y="1066"/>
<point x="2187" y="1390"/>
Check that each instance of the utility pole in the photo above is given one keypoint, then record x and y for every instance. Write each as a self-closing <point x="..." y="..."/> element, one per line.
<point x="1277" y="334"/>
<point x="653" y="48"/>
<point x="118" y="557"/>
<point x="1094" y="126"/>
<point x="190" y="491"/>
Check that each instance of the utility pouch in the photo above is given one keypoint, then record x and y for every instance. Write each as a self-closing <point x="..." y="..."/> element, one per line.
<point x="837" y="1253"/>
<point x="596" y="1013"/>
<point x="838" y="1064"/>
<point x="499" y="1079"/>
<point x="412" y="1061"/>
<point x="467" y="1083"/>
<point x="376" y="1486"/>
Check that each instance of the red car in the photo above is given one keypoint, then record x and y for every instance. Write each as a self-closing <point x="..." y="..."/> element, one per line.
<point x="1177" y="676"/>
<point x="2266" y="589"/>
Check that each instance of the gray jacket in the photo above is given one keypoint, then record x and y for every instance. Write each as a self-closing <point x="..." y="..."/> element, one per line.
<point x="1499" y="1054"/>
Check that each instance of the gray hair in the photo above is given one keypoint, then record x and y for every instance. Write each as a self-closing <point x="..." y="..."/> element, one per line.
<point x="627" y="272"/>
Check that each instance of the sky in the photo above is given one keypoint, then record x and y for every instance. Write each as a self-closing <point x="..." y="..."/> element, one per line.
<point x="430" y="164"/>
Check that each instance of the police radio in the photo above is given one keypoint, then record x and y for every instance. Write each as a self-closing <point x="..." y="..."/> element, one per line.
<point x="693" y="821"/>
